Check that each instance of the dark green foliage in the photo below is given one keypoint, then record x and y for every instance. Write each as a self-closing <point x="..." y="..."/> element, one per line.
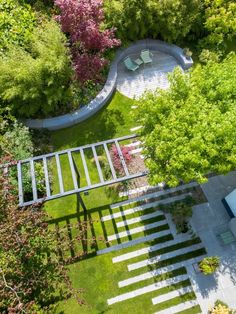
<point x="37" y="82"/>
<point x="169" y="20"/>
<point x="17" y="22"/>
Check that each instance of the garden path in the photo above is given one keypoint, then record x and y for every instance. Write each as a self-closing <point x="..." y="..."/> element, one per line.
<point x="147" y="77"/>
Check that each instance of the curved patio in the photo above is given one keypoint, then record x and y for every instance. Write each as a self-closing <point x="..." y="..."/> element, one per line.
<point x="148" y="76"/>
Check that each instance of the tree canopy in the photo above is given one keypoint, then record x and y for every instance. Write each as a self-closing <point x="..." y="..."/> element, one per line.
<point x="189" y="130"/>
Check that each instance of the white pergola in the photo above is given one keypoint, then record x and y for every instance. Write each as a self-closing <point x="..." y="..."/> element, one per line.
<point x="75" y="173"/>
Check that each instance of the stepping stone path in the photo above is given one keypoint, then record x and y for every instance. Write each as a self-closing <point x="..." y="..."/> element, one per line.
<point x="179" y="308"/>
<point x="143" y="207"/>
<point x="171" y="295"/>
<point x="143" y="274"/>
<point x="148" y="249"/>
<point x="136" y="230"/>
<point x="162" y="257"/>
<point x="146" y="289"/>
<point x="136" y="128"/>
<point x="131" y="221"/>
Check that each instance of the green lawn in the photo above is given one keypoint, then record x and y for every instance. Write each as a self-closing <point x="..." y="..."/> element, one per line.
<point x="97" y="274"/>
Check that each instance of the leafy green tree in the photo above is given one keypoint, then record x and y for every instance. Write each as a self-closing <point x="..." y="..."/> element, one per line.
<point x="17" y="22"/>
<point x="189" y="130"/>
<point x="36" y="82"/>
<point x="219" y="23"/>
<point x="137" y="19"/>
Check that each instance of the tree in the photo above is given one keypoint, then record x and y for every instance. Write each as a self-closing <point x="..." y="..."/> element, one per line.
<point x="83" y="21"/>
<point x="32" y="276"/>
<point x="189" y="130"/>
<point x="138" y="19"/>
<point x="219" y="23"/>
<point x="36" y="82"/>
<point x="209" y="265"/>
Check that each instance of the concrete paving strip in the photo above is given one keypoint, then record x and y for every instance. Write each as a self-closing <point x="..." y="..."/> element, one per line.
<point x="179" y="308"/>
<point x="171" y="295"/>
<point x="136" y="128"/>
<point x="159" y="271"/>
<point x="154" y="194"/>
<point x="148" y="249"/>
<point x="145" y="206"/>
<point x="134" y="144"/>
<point x="135" y="151"/>
<point x="165" y="256"/>
<point x="136" y="230"/>
<point x="145" y="188"/>
<point x="147" y="289"/>
<point x="127" y="244"/>
<point x="132" y="221"/>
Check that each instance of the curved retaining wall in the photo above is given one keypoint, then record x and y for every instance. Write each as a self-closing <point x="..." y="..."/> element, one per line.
<point x="105" y="94"/>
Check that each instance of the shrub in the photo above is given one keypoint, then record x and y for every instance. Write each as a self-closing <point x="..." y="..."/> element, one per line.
<point x="220" y="308"/>
<point x="116" y="158"/>
<point x="83" y="21"/>
<point x="209" y="265"/>
<point x="37" y="83"/>
<point x="17" y="143"/>
<point x="17" y="22"/>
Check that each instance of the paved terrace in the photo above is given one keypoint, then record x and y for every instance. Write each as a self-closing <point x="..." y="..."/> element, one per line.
<point x="148" y="77"/>
<point x="208" y="221"/>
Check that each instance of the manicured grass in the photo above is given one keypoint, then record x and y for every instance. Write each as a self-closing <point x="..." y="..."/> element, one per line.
<point x="97" y="274"/>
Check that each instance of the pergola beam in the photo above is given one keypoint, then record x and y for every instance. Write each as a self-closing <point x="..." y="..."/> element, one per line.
<point x="76" y="175"/>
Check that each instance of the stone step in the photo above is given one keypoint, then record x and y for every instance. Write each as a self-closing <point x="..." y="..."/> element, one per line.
<point x="154" y="194"/>
<point x="127" y="244"/>
<point x="134" y="144"/>
<point x="132" y="221"/>
<point x="136" y="128"/>
<point x="141" y="189"/>
<point x="171" y="295"/>
<point x="136" y="230"/>
<point x="179" y="308"/>
<point x="135" y="151"/>
<point x="145" y="206"/>
<point x="147" y="289"/>
<point x="151" y="248"/>
<point x="162" y="257"/>
<point x="159" y="271"/>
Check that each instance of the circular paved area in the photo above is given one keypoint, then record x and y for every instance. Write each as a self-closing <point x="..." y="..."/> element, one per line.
<point x="147" y="77"/>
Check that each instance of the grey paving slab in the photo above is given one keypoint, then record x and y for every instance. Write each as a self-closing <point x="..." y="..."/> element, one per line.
<point x="208" y="221"/>
<point x="159" y="271"/>
<point x="147" y="77"/>
<point x="179" y="308"/>
<point x="143" y="228"/>
<point x="154" y="194"/>
<point x="132" y="221"/>
<point x="162" y="257"/>
<point x="127" y="244"/>
<point x="149" y="249"/>
<point x="171" y="295"/>
<point x="145" y="206"/>
<point x="147" y="289"/>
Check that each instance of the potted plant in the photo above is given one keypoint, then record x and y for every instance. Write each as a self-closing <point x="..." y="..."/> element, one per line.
<point x="220" y="308"/>
<point x="209" y="265"/>
<point x="187" y="52"/>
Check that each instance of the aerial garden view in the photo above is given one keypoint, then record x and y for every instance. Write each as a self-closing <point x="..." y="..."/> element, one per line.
<point x="117" y="156"/>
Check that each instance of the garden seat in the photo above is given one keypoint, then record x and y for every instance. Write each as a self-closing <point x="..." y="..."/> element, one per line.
<point x="227" y="237"/>
<point x="130" y="65"/>
<point x="146" y="56"/>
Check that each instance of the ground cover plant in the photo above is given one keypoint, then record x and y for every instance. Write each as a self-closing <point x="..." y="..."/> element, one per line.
<point x="209" y="265"/>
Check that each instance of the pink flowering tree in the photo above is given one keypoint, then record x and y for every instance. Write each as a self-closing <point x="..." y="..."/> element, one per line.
<point x="116" y="158"/>
<point x="82" y="20"/>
